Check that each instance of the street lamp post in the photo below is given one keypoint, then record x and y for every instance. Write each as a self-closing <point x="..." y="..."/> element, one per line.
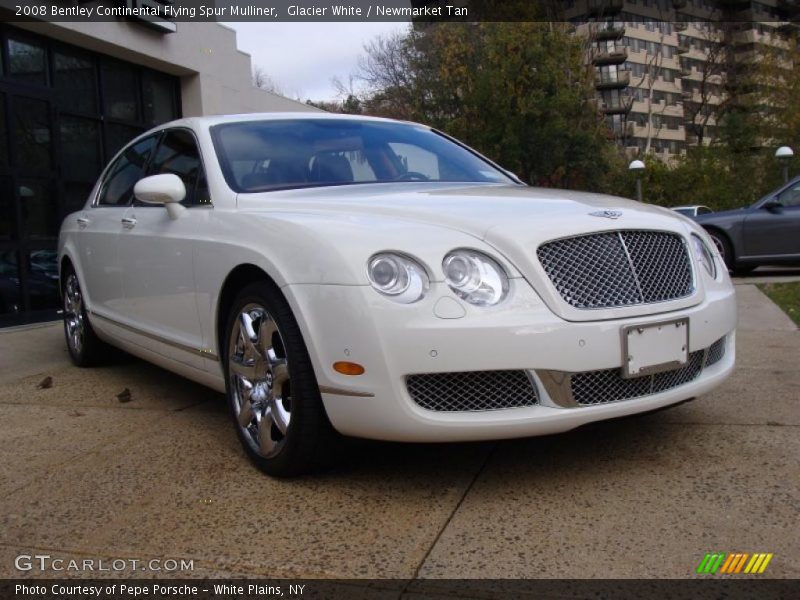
<point x="784" y="154"/>
<point x="637" y="166"/>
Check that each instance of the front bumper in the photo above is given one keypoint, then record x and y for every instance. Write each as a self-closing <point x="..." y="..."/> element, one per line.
<point x="354" y="323"/>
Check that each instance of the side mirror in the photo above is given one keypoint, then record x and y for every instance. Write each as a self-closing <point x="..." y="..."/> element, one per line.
<point x="772" y="206"/>
<point x="166" y="189"/>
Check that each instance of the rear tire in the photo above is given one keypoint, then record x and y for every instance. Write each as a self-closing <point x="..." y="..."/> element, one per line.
<point x="272" y="392"/>
<point x="85" y="348"/>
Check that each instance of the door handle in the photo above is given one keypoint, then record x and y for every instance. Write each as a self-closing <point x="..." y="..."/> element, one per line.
<point x="82" y="222"/>
<point x="128" y="222"/>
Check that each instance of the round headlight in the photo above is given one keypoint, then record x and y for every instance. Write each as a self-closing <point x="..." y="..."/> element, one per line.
<point x="475" y="278"/>
<point x="704" y="255"/>
<point x="397" y="277"/>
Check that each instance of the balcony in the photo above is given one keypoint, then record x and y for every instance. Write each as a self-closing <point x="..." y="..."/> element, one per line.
<point x="609" y="56"/>
<point x="686" y="71"/>
<point x="614" y="79"/>
<point x="683" y="48"/>
<point x="616" y="106"/>
<point x="687" y="95"/>
<point x="610" y="31"/>
<point x="599" y="8"/>
<point x="680" y="25"/>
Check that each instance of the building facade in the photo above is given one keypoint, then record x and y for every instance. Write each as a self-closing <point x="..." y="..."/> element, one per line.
<point x="663" y="67"/>
<point x="71" y="95"/>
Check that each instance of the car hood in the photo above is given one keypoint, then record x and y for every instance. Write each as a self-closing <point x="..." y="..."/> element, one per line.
<point x="484" y="211"/>
<point x="513" y="220"/>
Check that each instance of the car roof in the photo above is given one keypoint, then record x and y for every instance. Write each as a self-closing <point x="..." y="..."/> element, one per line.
<point x="209" y="121"/>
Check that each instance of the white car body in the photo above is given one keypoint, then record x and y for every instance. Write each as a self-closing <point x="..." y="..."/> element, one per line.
<point x="154" y="289"/>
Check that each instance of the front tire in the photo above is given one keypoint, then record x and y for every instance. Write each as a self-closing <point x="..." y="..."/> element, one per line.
<point x="272" y="391"/>
<point x="725" y="249"/>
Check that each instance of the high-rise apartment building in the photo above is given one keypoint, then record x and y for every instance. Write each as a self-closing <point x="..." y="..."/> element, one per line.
<point x="663" y="67"/>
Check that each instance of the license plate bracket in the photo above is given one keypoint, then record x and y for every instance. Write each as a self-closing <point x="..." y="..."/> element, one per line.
<point x="654" y="347"/>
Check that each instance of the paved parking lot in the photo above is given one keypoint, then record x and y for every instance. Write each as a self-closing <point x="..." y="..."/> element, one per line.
<point x="162" y="476"/>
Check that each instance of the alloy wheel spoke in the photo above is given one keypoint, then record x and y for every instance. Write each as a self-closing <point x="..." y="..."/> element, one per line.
<point x="243" y="370"/>
<point x="265" y="442"/>
<point x="249" y="336"/>
<point x="266" y="332"/>
<point x="279" y="415"/>
<point x="246" y="414"/>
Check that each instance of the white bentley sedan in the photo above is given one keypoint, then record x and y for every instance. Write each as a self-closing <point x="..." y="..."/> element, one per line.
<point x="379" y="279"/>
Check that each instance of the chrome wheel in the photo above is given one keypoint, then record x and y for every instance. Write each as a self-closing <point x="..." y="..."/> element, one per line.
<point x="259" y="380"/>
<point x="73" y="314"/>
<point x="720" y="246"/>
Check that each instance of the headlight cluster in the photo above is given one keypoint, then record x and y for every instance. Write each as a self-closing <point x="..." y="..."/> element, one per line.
<point x="473" y="276"/>
<point x="704" y="255"/>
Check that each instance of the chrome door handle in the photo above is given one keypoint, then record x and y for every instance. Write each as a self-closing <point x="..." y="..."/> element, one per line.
<point x="82" y="222"/>
<point x="128" y="222"/>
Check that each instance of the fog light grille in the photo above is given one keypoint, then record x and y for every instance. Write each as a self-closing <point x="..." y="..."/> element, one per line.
<point x="472" y="391"/>
<point x="716" y="352"/>
<point x="608" y="385"/>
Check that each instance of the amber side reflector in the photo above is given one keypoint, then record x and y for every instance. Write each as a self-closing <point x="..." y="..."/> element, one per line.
<point x="348" y="368"/>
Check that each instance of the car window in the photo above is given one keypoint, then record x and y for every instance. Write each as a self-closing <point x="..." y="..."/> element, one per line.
<point x="276" y="154"/>
<point x="178" y="154"/>
<point x="790" y="196"/>
<point x="125" y="171"/>
<point x="704" y="210"/>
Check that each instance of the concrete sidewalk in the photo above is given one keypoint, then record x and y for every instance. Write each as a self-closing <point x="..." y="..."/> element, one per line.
<point x="163" y="476"/>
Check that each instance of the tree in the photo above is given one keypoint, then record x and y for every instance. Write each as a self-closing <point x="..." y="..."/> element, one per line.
<point x="518" y="92"/>
<point x="262" y="80"/>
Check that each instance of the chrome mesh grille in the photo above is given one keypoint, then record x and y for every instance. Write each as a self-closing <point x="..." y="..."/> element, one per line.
<point x="715" y="352"/>
<point x="600" y="387"/>
<point x="472" y="391"/>
<point x="618" y="268"/>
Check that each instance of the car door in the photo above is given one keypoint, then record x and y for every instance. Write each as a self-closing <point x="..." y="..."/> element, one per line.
<point x="775" y="232"/>
<point x="101" y="224"/>
<point x="156" y="255"/>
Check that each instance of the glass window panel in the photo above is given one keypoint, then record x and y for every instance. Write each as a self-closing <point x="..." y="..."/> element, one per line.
<point x="75" y="196"/>
<point x="32" y="134"/>
<point x="117" y="136"/>
<point x="3" y="132"/>
<point x="10" y="300"/>
<point x="27" y="62"/>
<point x="8" y="218"/>
<point x="40" y="214"/>
<point x="42" y="279"/>
<point x="120" y="91"/>
<point x="125" y="172"/>
<point x="159" y="99"/>
<point x="75" y="83"/>
<point x="80" y="148"/>
<point x="178" y="154"/>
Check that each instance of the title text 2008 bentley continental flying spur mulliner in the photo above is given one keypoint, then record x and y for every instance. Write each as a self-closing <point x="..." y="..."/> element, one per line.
<point x="380" y="279"/>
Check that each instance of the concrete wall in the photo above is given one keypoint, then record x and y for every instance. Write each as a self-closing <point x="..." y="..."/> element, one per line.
<point x="215" y="76"/>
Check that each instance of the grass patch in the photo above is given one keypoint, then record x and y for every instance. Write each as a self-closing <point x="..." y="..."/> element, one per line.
<point x="785" y="295"/>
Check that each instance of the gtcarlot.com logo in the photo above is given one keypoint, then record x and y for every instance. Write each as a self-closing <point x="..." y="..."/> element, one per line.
<point x="46" y="562"/>
<point x="734" y="563"/>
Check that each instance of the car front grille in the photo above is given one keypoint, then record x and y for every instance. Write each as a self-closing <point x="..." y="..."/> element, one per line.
<point x="472" y="391"/>
<point x="601" y="387"/>
<point x="618" y="268"/>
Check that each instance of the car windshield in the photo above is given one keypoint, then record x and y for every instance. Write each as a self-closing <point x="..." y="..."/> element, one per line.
<point x="258" y="156"/>
<point x="689" y="212"/>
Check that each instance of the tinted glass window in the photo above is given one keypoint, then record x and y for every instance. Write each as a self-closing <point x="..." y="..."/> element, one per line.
<point x="8" y="219"/>
<point x="790" y="196"/>
<point x="40" y="218"/>
<point x="120" y="91"/>
<point x="159" y="99"/>
<point x="267" y="155"/>
<point x="32" y="134"/>
<point x="75" y="83"/>
<point x="178" y="154"/>
<point x="3" y="133"/>
<point x="118" y="136"/>
<point x="10" y="300"/>
<point x="117" y="189"/>
<point x="26" y="62"/>
<point x="80" y="147"/>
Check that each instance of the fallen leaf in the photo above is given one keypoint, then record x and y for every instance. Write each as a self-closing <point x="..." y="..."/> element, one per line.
<point x="45" y="383"/>
<point x="125" y="395"/>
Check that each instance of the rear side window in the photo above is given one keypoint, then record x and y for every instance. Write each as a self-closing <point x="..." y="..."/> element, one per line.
<point x="179" y="155"/>
<point x="117" y="188"/>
